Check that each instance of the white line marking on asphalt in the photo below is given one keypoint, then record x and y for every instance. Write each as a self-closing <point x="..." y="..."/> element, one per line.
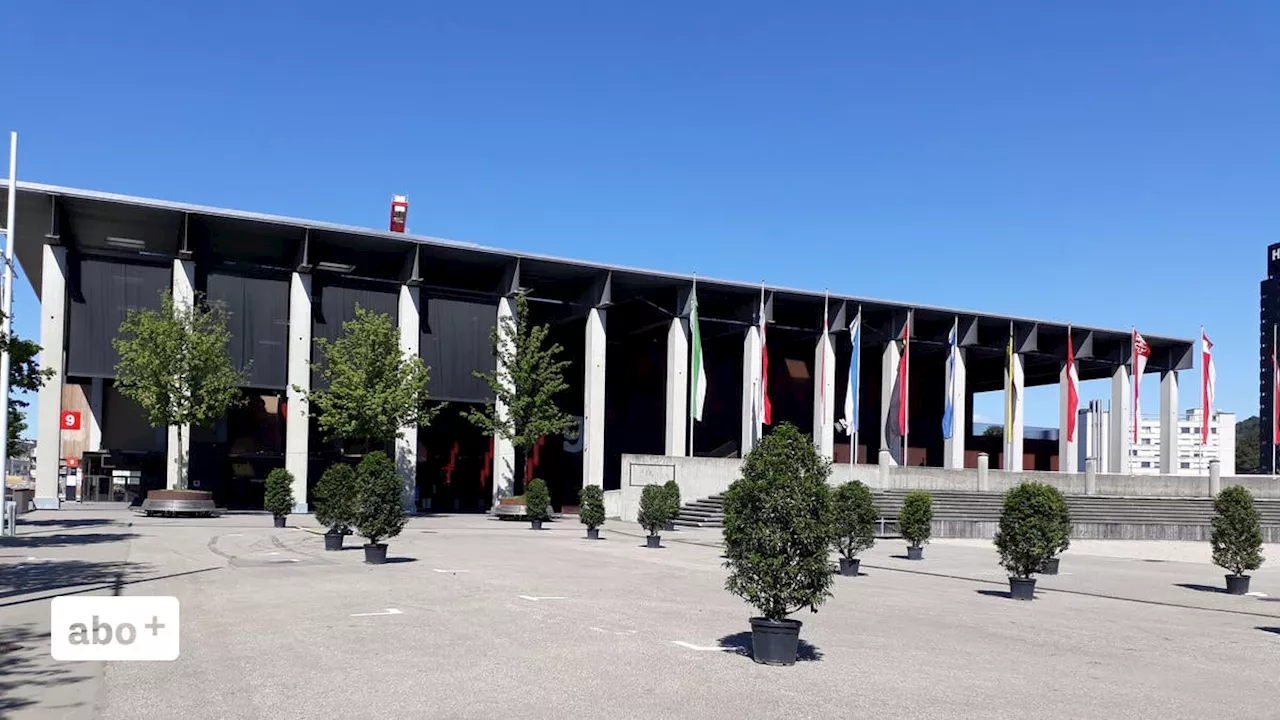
<point x="706" y="648"/>
<point x="1256" y="594"/>
<point x="234" y="535"/>
<point x="388" y="611"/>
<point x="535" y="598"/>
<point x="448" y="571"/>
<point x="614" y="632"/>
<point x="289" y="560"/>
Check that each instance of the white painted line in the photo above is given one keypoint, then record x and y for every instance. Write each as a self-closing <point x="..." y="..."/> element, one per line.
<point x="388" y="611"/>
<point x="614" y="632"/>
<point x="1256" y="594"/>
<point x="448" y="571"/>
<point x="289" y="560"/>
<point x="234" y="535"/>
<point x="536" y="598"/>
<point x="706" y="648"/>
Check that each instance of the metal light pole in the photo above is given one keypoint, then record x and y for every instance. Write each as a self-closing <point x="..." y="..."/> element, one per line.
<point x="6" y="326"/>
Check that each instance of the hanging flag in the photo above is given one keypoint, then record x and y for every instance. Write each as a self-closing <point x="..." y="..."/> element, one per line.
<point x="1073" y="389"/>
<point x="1011" y="396"/>
<point x="896" y="421"/>
<point x="851" y="389"/>
<point x="1141" y="351"/>
<point x="1275" y="397"/>
<point x="822" y="366"/>
<point x="1208" y="378"/>
<point x="699" y="386"/>
<point x="948" y="411"/>
<point x="766" y="407"/>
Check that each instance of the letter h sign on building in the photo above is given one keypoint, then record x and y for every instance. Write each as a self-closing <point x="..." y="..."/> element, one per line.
<point x="70" y="420"/>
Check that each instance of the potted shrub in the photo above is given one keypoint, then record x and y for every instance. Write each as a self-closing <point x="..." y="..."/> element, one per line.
<point x="854" y="515"/>
<point x="591" y="509"/>
<point x="335" y="500"/>
<point x="278" y="496"/>
<point x="655" y="506"/>
<point x="378" y="512"/>
<point x="777" y="534"/>
<point x="673" y="500"/>
<point x="536" y="501"/>
<point x="1033" y="526"/>
<point x="1236" y="536"/>
<point x="915" y="522"/>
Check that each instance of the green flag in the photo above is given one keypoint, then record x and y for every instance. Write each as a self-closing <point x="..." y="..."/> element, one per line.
<point x="698" y="388"/>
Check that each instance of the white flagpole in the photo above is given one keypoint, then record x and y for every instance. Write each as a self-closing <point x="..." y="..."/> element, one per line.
<point x="1273" y="401"/>
<point x="906" y="392"/>
<point x="6" y="328"/>
<point x="857" y="391"/>
<point x="693" y="396"/>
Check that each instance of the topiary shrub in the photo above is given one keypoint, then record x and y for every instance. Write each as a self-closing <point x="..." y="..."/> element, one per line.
<point x="379" y="514"/>
<point x="1237" y="531"/>
<point x="1034" y="526"/>
<point x="672" y="489"/>
<point x="655" y="508"/>
<point x="591" y="506"/>
<point x="536" y="500"/>
<point x="778" y="526"/>
<point x="854" y="515"/>
<point x="335" y="498"/>
<point x="278" y="497"/>
<point x="915" y="518"/>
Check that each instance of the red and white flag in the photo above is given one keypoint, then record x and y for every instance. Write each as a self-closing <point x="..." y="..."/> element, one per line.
<point x="1073" y="389"/>
<point x="766" y="407"/>
<point x="1275" y="395"/>
<point x="1141" y="352"/>
<point x="1208" y="378"/>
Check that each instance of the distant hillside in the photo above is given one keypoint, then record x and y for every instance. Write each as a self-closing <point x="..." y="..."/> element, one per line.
<point x="1247" y="447"/>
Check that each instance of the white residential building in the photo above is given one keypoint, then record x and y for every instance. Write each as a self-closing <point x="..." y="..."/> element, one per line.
<point x="1144" y="455"/>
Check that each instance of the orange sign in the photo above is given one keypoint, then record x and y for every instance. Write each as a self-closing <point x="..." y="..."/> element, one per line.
<point x="72" y="462"/>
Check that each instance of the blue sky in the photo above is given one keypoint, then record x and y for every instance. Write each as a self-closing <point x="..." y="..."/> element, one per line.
<point x="1109" y="164"/>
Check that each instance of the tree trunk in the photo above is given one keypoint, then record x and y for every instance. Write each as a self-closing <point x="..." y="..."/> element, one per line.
<point x="182" y="475"/>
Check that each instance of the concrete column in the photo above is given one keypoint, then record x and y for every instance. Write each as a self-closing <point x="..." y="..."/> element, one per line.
<point x="593" y="401"/>
<point x="1169" y="422"/>
<point x="953" y="447"/>
<point x="751" y="361"/>
<point x="824" y="387"/>
<point x="1215" y="478"/>
<point x="882" y="469"/>
<point x="677" y="427"/>
<point x="178" y="449"/>
<point x="1068" y="450"/>
<point x="297" y="423"/>
<point x="410" y="314"/>
<point x="96" y="389"/>
<point x="984" y="470"/>
<point x="888" y="371"/>
<point x="1013" y="443"/>
<point x="1118" y="422"/>
<point x="504" y="454"/>
<point x="1091" y="476"/>
<point x="53" y="305"/>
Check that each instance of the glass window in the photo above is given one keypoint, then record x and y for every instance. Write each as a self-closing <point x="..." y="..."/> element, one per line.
<point x="1185" y="465"/>
<point x="1146" y="463"/>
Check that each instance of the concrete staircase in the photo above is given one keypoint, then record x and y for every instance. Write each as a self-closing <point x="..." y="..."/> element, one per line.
<point x="708" y="512"/>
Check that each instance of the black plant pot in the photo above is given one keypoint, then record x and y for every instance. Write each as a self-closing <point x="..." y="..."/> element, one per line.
<point x="279" y="520"/>
<point x="775" y="642"/>
<point x="593" y="533"/>
<point x="333" y="541"/>
<point x="915" y="553"/>
<point x="375" y="553"/>
<point x="1238" y="584"/>
<point x="1050" y="567"/>
<point x="670" y="526"/>
<point x="1022" y="588"/>
<point x="849" y="566"/>
<point x="653" y="541"/>
<point x="536" y="524"/>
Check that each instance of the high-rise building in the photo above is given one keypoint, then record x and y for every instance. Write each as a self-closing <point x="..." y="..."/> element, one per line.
<point x="1191" y="457"/>
<point x="1269" y="313"/>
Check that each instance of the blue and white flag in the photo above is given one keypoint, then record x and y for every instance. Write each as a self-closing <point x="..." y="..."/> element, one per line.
<point x="851" y="390"/>
<point x="948" y="412"/>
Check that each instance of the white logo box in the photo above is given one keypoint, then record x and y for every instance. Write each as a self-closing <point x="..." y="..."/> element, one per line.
<point x="89" y="627"/>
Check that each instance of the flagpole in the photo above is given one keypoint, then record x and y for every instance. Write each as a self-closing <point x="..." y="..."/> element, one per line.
<point x="857" y="391"/>
<point x="906" y="392"/>
<point x="6" y="326"/>
<point x="692" y="371"/>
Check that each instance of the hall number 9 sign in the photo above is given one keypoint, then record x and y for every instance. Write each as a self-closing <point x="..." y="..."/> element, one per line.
<point x="70" y="420"/>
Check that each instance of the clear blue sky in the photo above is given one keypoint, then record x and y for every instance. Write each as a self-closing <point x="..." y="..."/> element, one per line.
<point x="1104" y="163"/>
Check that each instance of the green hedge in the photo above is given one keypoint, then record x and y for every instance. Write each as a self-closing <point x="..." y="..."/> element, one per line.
<point x="1237" y="531"/>
<point x="915" y="518"/>
<point x="335" y="497"/>
<point x="855" y="515"/>
<point x="278" y="496"/>
<point x="1035" y="525"/>
<point x="591" y="506"/>
<point x="379" y="513"/>
<point x="536" y="500"/>
<point x="655" y="508"/>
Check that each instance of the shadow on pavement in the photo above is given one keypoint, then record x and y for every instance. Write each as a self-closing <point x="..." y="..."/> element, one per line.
<point x="25" y="665"/>
<point x="1273" y="630"/>
<point x="67" y="523"/>
<point x="995" y="593"/>
<point x="398" y="560"/>
<point x="740" y="644"/>
<point x="63" y="540"/>
<point x="1200" y="588"/>
<point x="34" y="577"/>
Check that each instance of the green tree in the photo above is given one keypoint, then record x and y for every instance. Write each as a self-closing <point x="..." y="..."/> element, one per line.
<point x="278" y="498"/>
<point x="1236" y="537"/>
<point x="25" y="376"/>
<point x="379" y="514"/>
<point x="1248" y="450"/>
<point x="536" y="500"/>
<point x="375" y="390"/>
<point x="778" y="526"/>
<point x="336" y="495"/>
<point x="855" y="516"/>
<point x="916" y="517"/>
<point x="672" y="489"/>
<point x="655" y="508"/>
<point x="525" y="384"/>
<point x="1035" y="525"/>
<point x="993" y="431"/>
<point x="591" y="506"/>
<point x="174" y="363"/>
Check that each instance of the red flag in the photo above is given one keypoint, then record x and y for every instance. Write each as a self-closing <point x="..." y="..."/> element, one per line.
<point x="1208" y="378"/>
<point x="902" y="386"/>
<point x="766" y="405"/>
<point x="1141" y="351"/>
<point x="1275" y="394"/>
<point x="1073" y="390"/>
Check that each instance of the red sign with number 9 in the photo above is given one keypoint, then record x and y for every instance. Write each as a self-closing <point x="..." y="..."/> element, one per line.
<point x="70" y="420"/>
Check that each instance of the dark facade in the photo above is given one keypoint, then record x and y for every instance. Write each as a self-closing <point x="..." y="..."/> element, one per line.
<point x="1269" y="321"/>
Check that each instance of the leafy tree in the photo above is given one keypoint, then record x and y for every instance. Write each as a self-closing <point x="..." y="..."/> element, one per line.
<point x="174" y="363"/>
<point x="854" y="516"/>
<point x="672" y="489"/>
<point x="536" y="500"/>
<point x="915" y="517"/>
<point x="374" y="390"/>
<point x="525" y="384"/>
<point x="335" y="497"/>
<point x="278" y="499"/>
<point x="25" y="376"/>
<point x="655" y="508"/>
<point x="1248" y="450"/>
<point x="1035" y="525"/>
<point x="591" y="506"/>
<point x="993" y="431"/>
<point x="1237" y="531"/>
<point x="379" y="514"/>
<point x="778" y="526"/>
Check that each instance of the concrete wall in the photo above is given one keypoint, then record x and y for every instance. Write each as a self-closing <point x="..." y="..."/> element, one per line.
<point x="613" y="503"/>
<point x="702" y="477"/>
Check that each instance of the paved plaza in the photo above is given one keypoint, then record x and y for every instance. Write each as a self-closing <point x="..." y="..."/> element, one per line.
<point x="480" y="618"/>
